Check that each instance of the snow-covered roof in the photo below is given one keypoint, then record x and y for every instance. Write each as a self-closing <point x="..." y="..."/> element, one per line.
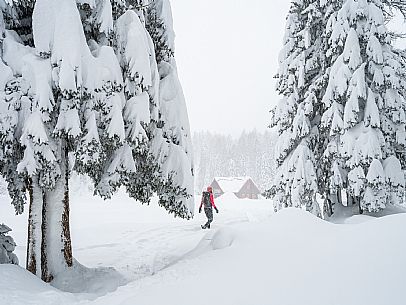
<point x="231" y="184"/>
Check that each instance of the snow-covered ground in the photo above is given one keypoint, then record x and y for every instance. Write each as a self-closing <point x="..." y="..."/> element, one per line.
<point x="250" y="257"/>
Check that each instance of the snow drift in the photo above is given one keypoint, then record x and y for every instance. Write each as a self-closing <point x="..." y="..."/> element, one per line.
<point x="290" y="258"/>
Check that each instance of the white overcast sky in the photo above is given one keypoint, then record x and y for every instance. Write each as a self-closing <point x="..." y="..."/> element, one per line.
<point x="227" y="54"/>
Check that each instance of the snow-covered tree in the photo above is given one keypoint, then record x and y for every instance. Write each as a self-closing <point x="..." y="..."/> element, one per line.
<point x="89" y="94"/>
<point x="343" y="89"/>
<point x="365" y="102"/>
<point x="7" y="246"/>
<point x="297" y="114"/>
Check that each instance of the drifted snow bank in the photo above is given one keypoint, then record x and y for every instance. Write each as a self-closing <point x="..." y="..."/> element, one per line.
<point x="294" y="258"/>
<point x="214" y="240"/>
<point x="18" y="287"/>
<point x="80" y="279"/>
<point x="291" y="258"/>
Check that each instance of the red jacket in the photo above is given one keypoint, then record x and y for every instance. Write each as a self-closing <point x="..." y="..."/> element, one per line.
<point x="211" y="201"/>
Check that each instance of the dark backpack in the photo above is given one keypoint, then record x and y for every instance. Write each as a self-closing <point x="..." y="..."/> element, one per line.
<point x="206" y="200"/>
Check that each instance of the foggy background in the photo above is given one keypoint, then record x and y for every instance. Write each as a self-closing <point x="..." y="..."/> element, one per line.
<point x="227" y="54"/>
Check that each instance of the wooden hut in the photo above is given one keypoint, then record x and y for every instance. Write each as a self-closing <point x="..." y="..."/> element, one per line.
<point x="242" y="187"/>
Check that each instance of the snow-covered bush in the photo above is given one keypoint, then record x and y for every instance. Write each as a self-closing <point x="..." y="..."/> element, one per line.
<point x="7" y="246"/>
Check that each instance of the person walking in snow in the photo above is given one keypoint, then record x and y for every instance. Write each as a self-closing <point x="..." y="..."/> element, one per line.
<point x="208" y="203"/>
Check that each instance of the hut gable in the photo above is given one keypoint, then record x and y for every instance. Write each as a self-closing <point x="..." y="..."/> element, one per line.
<point x="242" y="187"/>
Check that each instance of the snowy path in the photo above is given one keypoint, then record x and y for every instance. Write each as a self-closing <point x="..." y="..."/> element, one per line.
<point x="138" y="250"/>
<point x="139" y="253"/>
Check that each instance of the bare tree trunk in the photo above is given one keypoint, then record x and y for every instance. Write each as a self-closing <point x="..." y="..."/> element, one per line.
<point x="57" y="247"/>
<point x="33" y="263"/>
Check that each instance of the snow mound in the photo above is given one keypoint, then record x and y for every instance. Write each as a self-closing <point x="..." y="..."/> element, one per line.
<point x="291" y="258"/>
<point x="291" y="216"/>
<point x="80" y="279"/>
<point x="350" y="215"/>
<point x="222" y="238"/>
<point x="20" y="287"/>
<point x="357" y="219"/>
<point x="214" y="240"/>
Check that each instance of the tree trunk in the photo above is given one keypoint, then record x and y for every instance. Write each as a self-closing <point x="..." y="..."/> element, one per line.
<point x="45" y="275"/>
<point x="350" y="199"/>
<point x="361" y="211"/>
<point x="57" y="246"/>
<point x="33" y="263"/>
<point x="328" y="205"/>
<point x="339" y="197"/>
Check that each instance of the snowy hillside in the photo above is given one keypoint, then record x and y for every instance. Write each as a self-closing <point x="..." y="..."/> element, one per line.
<point x="251" y="256"/>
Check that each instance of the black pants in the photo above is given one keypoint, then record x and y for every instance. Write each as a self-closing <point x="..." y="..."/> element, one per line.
<point x="209" y="215"/>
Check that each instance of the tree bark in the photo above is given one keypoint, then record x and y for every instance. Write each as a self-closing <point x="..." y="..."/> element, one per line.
<point x="339" y="197"/>
<point x="45" y="275"/>
<point x="33" y="263"/>
<point x="57" y="246"/>
<point x="328" y="204"/>
<point x="65" y="216"/>
<point x="361" y="211"/>
<point x="350" y="199"/>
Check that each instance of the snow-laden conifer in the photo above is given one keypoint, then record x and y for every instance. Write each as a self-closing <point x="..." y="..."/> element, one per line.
<point x="86" y="93"/>
<point x="365" y="105"/>
<point x="296" y="115"/>
<point x="349" y="109"/>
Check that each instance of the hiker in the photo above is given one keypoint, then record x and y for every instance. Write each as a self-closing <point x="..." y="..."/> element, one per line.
<point x="208" y="203"/>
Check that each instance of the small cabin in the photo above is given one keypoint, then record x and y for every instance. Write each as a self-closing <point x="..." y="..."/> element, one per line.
<point x="242" y="187"/>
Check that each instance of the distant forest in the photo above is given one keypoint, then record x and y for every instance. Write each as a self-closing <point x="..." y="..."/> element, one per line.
<point x="252" y="154"/>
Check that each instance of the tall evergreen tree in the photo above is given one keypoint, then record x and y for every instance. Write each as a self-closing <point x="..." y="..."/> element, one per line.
<point x="297" y="115"/>
<point x="87" y="94"/>
<point x="365" y="101"/>
<point x="349" y="114"/>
